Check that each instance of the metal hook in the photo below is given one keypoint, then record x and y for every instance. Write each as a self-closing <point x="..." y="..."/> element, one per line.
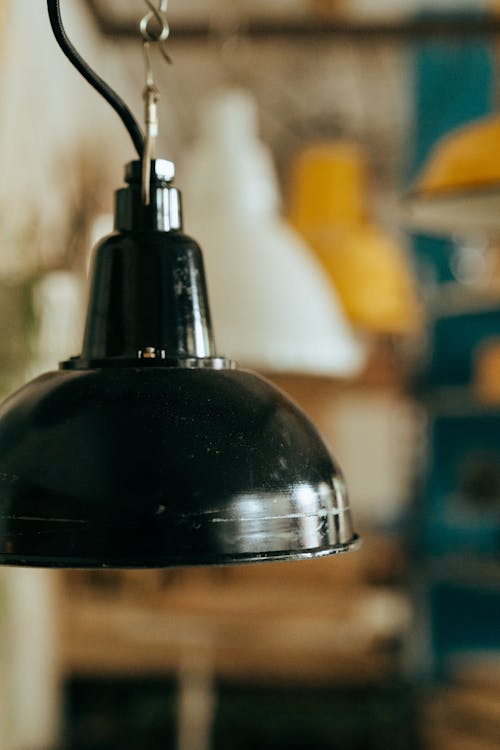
<point x="160" y="35"/>
<point x="150" y="37"/>
<point x="150" y="80"/>
<point x="151" y="97"/>
<point x="160" y="15"/>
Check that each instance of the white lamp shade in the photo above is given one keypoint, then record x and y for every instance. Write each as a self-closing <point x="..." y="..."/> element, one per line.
<point x="273" y="307"/>
<point x="58" y="306"/>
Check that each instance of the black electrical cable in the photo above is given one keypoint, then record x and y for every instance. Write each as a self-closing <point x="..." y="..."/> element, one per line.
<point x="93" y="78"/>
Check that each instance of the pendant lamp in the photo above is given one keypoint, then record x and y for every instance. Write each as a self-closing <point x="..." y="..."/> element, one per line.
<point x="329" y="207"/>
<point x="148" y="449"/>
<point x="459" y="187"/>
<point x="272" y="305"/>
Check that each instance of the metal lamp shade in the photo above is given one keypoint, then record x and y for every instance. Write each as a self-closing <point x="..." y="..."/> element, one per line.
<point x="366" y="265"/>
<point x="273" y="306"/>
<point x="459" y="188"/>
<point x="151" y="467"/>
<point x="148" y="450"/>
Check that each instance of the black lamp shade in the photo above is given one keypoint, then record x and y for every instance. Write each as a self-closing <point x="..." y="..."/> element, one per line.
<point x="148" y="450"/>
<point x="154" y="467"/>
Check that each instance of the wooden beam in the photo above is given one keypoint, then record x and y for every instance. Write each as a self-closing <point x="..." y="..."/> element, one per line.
<point x="316" y="28"/>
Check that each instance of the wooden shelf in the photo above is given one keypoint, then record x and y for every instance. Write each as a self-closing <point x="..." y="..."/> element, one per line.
<point x="464" y="716"/>
<point x="315" y="622"/>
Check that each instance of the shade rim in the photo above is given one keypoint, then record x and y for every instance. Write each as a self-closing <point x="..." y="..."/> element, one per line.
<point x="422" y="194"/>
<point x="178" y="561"/>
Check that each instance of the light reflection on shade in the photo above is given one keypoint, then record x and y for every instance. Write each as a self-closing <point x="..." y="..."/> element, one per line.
<point x="309" y="516"/>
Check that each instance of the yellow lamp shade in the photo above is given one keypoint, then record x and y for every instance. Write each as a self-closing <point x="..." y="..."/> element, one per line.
<point x="487" y="372"/>
<point x="328" y="206"/>
<point x="370" y="272"/>
<point x="459" y="187"/>
<point x="328" y="186"/>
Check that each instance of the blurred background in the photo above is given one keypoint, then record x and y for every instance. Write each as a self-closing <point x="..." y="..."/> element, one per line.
<point x="340" y="154"/>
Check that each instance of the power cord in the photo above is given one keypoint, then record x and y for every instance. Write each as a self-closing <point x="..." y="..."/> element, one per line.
<point x="93" y="78"/>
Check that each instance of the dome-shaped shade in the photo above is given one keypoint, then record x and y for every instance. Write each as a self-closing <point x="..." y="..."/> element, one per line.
<point x="459" y="188"/>
<point x="158" y="466"/>
<point x="149" y="450"/>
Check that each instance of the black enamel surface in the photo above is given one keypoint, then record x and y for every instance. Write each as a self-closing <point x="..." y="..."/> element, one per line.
<point x="159" y="466"/>
<point x="148" y="290"/>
